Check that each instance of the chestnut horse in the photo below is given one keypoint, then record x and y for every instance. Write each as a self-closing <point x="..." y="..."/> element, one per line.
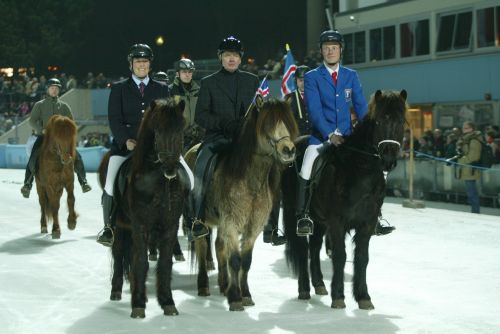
<point x="55" y="172"/>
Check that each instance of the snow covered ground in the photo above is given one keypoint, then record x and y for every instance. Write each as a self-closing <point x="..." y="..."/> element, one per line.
<point x="439" y="272"/>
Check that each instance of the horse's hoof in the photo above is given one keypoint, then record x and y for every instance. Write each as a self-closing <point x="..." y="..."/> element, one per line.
<point x="170" y="310"/>
<point x="366" y="305"/>
<point x="236" y="306"/>
<point x="71" y="225"/>
<point x="153" y="257"/>
<point x="115" y="295"/>
<point x="44" y="230"/>
<point x="320" y="290"/>
<point x="138" y="313"/>
<point x="338" y="303"/>
<point x="247" y="301"/>
<point x="179" y="258"/>
<point x="56" y="235"/>
<point x="210" y="265"/>
<point x="304" y="295"/>
<point x="203" y="292"/>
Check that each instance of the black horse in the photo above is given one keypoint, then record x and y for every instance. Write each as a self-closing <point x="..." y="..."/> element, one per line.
<point x="150" y="205"/>
<point x="348" y="193"/>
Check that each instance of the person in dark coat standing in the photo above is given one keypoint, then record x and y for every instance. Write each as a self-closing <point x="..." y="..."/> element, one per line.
<point x="128" y="100"/>
<point x="223" y="100"/>
<point x="298" y="106"/>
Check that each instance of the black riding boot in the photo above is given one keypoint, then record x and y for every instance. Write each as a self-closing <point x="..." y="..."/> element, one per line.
<point x="271" y="234"/>
<point x="28" y="183"/>
<point x="305" y="225"/>
<point x="80" y="173"/>
<point x="106" y="236"/>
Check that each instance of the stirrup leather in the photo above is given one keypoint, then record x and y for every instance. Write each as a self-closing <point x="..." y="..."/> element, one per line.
<point x="305" y="226"/>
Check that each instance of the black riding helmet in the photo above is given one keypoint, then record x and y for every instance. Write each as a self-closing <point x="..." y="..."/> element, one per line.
<point x="54" y="82"/>
<point x="301" y="71"/>
<point x="185" y="64"/>
<point x="331" y="36"/>
<point x="230" y="43"/>
<point x="140" y="51"/>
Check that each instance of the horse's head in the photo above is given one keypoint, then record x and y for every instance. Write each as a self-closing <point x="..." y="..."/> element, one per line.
<point x="164" y="121"/>
<point x="276" y="129"/>
<point x="387" y="110"/>
<point x="60" y="138"/>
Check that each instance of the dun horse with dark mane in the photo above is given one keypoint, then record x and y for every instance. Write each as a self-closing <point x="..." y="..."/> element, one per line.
<point x="149" y="202"/>
<point x="348" y="193"/>
<point x="55" y="172"/>
<point x="240" y="196"/>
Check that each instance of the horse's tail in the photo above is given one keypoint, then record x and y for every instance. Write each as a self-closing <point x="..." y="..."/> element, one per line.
<point x="296" y="247"/>
<point x="103" y="169"/>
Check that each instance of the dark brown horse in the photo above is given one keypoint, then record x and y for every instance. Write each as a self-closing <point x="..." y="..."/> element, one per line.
<point x="348" y="194"/>
<point x="151" y="204"/>
<point x="55" y="172"/>
<point x="240" y="196"/>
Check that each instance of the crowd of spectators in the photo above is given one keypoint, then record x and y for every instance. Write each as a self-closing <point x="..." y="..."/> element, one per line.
<point x="95" y="139"/>
<point x="442" y="143"/>
<point x="19" y="94"/>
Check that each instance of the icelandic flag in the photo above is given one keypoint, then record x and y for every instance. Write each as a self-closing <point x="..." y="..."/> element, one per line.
<point x="288" y="82"/>
<point x="263" y="88"/>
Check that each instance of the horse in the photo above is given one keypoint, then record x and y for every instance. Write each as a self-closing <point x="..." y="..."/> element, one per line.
<point x="55" y="172"/>
<point x="348" y="193"/>
<point x="240" y="196"/>
<point x="150" y="203"/>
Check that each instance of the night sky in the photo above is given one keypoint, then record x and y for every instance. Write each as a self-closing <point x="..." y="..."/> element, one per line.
<point x="189" y="27"/>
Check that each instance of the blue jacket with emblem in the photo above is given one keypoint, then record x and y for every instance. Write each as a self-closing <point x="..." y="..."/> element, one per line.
<point x="329" y="105"/>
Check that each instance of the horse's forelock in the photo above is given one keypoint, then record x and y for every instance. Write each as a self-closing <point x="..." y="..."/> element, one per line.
<point x="273" y="112"/>
<point x="388" y="101"/>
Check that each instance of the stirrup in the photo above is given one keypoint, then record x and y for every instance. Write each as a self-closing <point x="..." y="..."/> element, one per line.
<point x="103" y="240"/>
<point x="276" y="239"/>
<point x="305" y="226"/>
<point x="383" y="229"/>
<point x="86" y="187"/>
<point x="199" y="232"/>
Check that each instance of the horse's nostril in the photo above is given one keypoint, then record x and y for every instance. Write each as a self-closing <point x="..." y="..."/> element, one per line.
<point x="292" y="151"/>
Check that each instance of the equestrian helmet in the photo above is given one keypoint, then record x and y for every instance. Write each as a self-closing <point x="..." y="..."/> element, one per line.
<point x="160" y="76"/>
<point x="331" y="36"/>
<point x="230" y="43"/>
<point x="185" y="64"/>
<point x="54" y="82"/>
<point x="140" y="51"/>
<point x="301" y="71"/>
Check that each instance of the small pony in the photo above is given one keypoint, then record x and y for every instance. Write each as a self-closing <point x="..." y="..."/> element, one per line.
<point x="240" y="196"/>
<point x="55" y="172"/>
<point x="348" y="195"/>
<point x="150" y="205"/>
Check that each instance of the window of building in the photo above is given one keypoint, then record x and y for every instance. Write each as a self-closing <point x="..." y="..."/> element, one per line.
<point x="354" y="48"/>
<point x="383" y="43"/>
<point x="454" y="31"/>
<point x="414" y="38"/>
<point x="485" y="27"/>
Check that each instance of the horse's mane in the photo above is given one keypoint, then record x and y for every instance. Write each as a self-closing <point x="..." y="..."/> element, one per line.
<point x="164" y="115"/>
<point x="257" y="124"/>
<point x="61" y="130"/>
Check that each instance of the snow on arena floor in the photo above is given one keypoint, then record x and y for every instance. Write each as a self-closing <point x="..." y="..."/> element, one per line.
<point x="439" y="272"/>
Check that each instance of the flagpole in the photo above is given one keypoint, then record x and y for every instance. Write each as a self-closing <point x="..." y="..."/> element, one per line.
<point x="255" y="95"/>
<point x="298" y="103"/>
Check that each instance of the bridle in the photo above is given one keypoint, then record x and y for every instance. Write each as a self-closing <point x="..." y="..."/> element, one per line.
<point x="163" y="156"/>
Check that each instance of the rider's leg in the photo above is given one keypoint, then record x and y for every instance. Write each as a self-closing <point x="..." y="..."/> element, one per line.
<point x="383" y="229"/>
<point x="31" y="167"/>
<point x="105" y="237"/>
<point x="271" y="234"/>
<point x="304" y="222"/>
<point x="80" y="173"/>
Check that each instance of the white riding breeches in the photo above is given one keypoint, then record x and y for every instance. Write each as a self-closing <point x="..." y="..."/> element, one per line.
<point x="113" y="166"/>
<point x="117" y="160"/>
<point x="310" y="156"/>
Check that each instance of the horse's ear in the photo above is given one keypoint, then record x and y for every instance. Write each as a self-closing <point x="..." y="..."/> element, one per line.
<point x="152" y="105"/>
<point x="259" y="101"/>
<point x="181" y="104"/>
<point x="403" y="94"/>
<point x="378" y="94"/>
